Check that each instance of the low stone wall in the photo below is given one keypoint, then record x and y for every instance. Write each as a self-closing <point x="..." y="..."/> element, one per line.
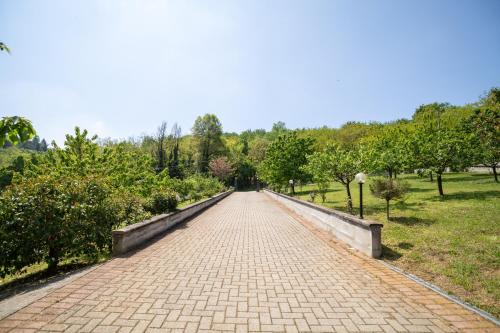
<point x="362" y="235"/>
<point x="136" y="234"/>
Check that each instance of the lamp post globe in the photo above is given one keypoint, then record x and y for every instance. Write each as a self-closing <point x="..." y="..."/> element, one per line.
<point x="360" y="178"/>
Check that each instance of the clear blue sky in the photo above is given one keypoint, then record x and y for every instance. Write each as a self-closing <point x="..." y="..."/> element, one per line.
<point x="119" y="68"/>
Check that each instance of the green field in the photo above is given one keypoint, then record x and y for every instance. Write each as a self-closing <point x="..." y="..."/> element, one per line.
<point x="452" y="242"/>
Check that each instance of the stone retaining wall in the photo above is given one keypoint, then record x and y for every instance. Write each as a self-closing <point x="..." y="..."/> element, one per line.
<point x="362" y="235"/>
<point x="136" y="234"/>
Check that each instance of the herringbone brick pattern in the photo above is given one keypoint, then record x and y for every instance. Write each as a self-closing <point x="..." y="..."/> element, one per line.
<point x="244" y="265"/>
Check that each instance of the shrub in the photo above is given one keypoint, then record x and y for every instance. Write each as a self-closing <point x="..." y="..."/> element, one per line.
<point x="200" y="186"/>
<point x="162" y="200"/>
<point x="130" y="207"/>
<point x="388" y="189"/>
<point x="49" y="218"/>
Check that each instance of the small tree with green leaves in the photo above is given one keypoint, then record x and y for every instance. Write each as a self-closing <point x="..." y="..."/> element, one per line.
<point x="389" y="189"/>
<point x="284" y="160"/>
<point x="485" y="127"/>
<point x="439" y="140"/>
<point x="319" y="168"/>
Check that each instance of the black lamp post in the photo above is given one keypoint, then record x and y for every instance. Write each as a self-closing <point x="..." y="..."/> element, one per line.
<point x="360" y="179"/>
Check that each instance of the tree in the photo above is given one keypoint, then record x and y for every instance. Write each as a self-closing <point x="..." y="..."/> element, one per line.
<point x="160" y="152"/>
<point x="343" y="165"/>
<point x="284" y="160"/>
<point x="207" y="130"/>
<point x="43" y="145"/>
<point x="439" y="141"/>
<point x="318" y="166"/>
<point x="15" y="129"/>
<point x="278" y="129"/>
<point x="257" y="151"/>
<point x="388" y="149"/>
<point x="174" y="170"/>
<point x="485" y="126"/>
<point x="49" y="218"/>
<point x="388" y="189"/>
<point x="221" y="168"/>
<point x="491" y="99"/>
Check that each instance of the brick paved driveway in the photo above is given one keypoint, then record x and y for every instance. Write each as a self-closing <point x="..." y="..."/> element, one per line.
<point x="244" y="265"/>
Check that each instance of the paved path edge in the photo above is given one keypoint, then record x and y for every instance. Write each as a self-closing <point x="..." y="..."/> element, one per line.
<point x="433" y="287"/>
<point x="12" y="304"/>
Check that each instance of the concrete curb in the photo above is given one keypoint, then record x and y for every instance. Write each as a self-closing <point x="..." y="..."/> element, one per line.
<point x="363" y="235"/>
<point x="135" y="235"/>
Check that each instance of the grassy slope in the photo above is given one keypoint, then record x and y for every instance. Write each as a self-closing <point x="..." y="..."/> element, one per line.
<point x="454" y="242"/>
<point x="9" y="154"/>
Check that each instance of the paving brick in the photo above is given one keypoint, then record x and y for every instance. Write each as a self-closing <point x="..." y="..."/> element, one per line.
<point x="245" y="265"/>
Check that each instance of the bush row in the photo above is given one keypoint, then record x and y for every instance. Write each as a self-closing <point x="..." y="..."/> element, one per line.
<point x="52" y="217"/>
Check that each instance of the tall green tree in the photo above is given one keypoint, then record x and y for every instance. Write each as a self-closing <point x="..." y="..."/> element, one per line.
<point x="160" y="151"/>
<point x="439" y="141"/>
<point x="207" y="131"/>
<point x="485" y="126"/>
<point x="174" y="168"/>
<point x="388" y="149"/>
<point x="284" y="160"/>
<point x="318" y="166"/>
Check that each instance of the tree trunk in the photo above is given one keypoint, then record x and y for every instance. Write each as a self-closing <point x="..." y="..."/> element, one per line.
<point x="495" y="173"/>
<point x="387" y="209"/>
<point x="293" y="188"/>
<point x="432" y="179"/>
<point x="440" y="184"/>
<point x="53" y="260"/>
<point x="395" y="174"/>
<point x="349" y="205"/>
<point x="390" y="172"/>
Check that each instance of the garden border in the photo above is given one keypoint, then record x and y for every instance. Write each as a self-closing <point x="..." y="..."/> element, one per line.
<point x="363" y="235"/>
<point x="134" y="235"/>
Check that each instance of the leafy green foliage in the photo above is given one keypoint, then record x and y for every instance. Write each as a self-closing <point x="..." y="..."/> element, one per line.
<point x="15" y="129"/>
<point x="389" y="189"/>
<point x="337" y="164"/>
<point x="318" y="166"/>
<point x="162" y="200"/>
<point x="485" y="126"/>
<point x="440" y="142"/>
<point x="64" y="203"/>
<point x="50" y="217"/>
<point x="207" y="131"/>
<point x="284" y="159"/>
<point x="388" y="149"/>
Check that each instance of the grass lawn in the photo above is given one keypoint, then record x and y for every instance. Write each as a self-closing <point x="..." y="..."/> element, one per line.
<point x="452" y="242"/>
